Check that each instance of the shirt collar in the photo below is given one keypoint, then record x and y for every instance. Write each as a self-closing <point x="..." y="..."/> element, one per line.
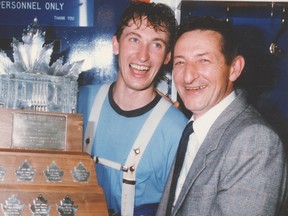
<point x="202" y="125"/>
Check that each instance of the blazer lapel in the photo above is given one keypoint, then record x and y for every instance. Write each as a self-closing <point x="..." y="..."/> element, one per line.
<point x="198" y="165"/>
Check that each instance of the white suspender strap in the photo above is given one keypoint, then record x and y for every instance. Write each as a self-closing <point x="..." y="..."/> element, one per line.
<point x="142" y="140"/>
<point x="129" y="176"/>
<point x="110" y="164"/>
<point x="94" y="117"/>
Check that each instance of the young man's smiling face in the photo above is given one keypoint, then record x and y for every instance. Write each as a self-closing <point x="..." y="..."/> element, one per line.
<point x="141" y="53"/>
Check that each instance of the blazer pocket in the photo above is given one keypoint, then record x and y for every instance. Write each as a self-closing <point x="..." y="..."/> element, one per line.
<point x="203" y="192"/>
<point x="200" y="200"/>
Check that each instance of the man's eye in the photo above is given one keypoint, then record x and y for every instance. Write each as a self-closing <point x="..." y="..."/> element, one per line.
<point x="157" y="45"/>
<point x="133" y="40"/>
<point x="205" y="60"/>
<point x="179" y="63"/>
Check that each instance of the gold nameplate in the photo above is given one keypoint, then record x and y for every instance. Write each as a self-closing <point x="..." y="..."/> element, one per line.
<point x="39" y="131"/>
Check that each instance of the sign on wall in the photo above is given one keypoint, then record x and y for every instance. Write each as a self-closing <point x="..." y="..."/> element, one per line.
<point x="48" y="12"/>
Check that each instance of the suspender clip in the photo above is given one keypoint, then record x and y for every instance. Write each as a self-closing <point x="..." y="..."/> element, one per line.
<point x="95" y="159"/>
<point x="124" y="168"/>
<point x="130" y="182"/>
<point x="137" y="151"/>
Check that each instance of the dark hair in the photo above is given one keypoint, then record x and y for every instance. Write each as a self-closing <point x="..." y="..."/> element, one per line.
<point x="230" y="47"/>
<point x="159" y="16"/>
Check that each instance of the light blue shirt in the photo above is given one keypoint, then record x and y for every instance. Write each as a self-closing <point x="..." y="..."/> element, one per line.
<point x="114" y="138"/>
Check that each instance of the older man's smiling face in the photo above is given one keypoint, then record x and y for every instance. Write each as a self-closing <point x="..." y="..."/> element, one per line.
<point x="201" y="75"/>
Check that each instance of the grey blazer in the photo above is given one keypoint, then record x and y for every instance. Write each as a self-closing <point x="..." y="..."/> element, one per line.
<point x="240" y="169"/>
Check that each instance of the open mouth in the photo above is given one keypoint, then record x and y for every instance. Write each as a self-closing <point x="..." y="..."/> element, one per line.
<point x="196" y="88"/>
<point x="139" y="67"/>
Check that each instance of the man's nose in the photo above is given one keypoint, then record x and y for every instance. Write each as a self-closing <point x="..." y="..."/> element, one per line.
<point x="143" y="53"/>
<point x="190" y="73"/>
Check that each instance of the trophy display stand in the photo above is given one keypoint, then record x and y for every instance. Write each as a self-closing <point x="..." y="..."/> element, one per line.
<point x="43" y="170"/>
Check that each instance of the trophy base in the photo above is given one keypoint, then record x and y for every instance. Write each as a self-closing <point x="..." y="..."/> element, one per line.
<point x="39" y="182"/>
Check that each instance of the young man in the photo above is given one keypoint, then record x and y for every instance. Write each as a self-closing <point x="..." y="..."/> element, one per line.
<point x="234" y="162"/>
<point x="131" y="131"/>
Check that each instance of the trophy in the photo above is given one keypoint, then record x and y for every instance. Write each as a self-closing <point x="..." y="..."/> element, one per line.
<point x="43" y="170"/>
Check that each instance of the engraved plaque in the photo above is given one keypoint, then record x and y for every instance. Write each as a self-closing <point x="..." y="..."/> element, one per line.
<point x="39" y="131"/>
<point x="25" y="172"/>
<point x="67" y="207"/>
<point x="80" y="173"/>
<point x="2" y="173"/>
<point x="12" y="206"/>
<point x="40" y="207"/>
<point x="53" y="173"/>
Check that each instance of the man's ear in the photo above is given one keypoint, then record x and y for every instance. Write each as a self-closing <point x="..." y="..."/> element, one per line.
<point x="115" y="45"/>
<point x="167" y="58"/>
<point x="236" y="68"/>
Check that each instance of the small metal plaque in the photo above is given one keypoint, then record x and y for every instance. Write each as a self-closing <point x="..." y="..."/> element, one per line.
<point x="80" y="174"/>
<point x="67" y="207"/>
<point x="39" y="131"/>
<point x="25" y="172"/>
<point x="12" y="206"/>
<point x="40" y="207"/>
<point x="2" y="173"/>
<point x="53" y="173"/>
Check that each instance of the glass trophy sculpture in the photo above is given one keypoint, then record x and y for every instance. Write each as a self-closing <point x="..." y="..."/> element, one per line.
<point x="43" y="170"/>
<point x="30" y="83"/>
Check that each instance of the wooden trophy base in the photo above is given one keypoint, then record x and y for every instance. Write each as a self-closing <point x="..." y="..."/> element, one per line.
<point x="43" y="170"/>
<point x="49" y="183"/>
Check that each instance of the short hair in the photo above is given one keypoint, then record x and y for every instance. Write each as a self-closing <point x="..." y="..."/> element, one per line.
<point x="230" y="46"/>
<point x="159" y="16"/>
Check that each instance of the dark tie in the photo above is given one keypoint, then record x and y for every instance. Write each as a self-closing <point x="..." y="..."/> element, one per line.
<point x="179" y="163"/>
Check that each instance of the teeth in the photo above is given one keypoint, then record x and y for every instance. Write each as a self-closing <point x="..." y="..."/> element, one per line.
<point x="197" y="88"/>
<point x="138" y="67"/>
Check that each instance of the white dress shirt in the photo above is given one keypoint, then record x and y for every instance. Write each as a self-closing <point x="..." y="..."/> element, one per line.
<point x="201" y="127"/>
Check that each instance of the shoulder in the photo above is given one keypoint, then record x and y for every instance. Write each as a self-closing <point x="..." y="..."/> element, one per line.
<point x="248" y="136"/>
<point x="173" y="121"/>
<point x="86" y="97"/>
<point x="174" y="114"/>
<point x="254" y="133"/>
<point x="243" y="127"/>
<point x="251" y="119"/>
